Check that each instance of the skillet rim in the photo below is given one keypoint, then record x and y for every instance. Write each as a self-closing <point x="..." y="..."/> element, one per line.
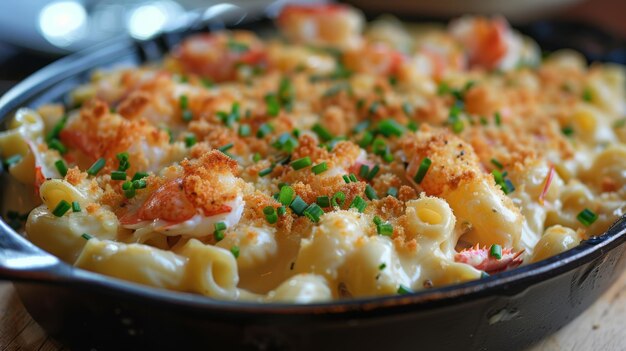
<point x="505" y="283"/>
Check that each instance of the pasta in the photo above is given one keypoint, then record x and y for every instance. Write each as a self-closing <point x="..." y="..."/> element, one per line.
<point x="342" y="160"/>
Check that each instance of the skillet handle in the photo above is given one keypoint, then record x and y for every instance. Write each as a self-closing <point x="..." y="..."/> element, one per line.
<point x="20" y="260"/>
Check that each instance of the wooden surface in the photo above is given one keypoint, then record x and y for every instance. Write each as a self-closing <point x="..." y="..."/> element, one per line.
<point x="601" y="327"/>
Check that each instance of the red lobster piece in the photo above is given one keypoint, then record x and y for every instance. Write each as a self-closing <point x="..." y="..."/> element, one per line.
<point x="480" y="259"/>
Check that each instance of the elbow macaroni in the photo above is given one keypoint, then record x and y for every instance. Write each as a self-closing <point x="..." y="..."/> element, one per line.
<point x="335" y="164"/>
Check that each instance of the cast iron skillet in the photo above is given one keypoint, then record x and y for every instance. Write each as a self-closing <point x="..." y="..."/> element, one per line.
<point x="87" y="311"/>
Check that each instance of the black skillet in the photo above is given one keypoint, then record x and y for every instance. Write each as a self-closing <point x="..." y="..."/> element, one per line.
<point x="87" y="311"/>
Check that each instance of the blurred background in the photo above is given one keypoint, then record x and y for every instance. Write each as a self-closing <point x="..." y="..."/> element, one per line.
<point x="36" y="32"/>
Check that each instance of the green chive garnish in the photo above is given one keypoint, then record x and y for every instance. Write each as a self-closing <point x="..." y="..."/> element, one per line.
<point x="407" y="109"/>
<point x="320" y="168"/>
<point x="190" y="140"/>
<point x="373" y="172"/>
<point x="587" y="217"/>
<point x="266" y="171"/>
<point x="496" y="163"/>
<point x="244" y="130"/>
<point x="118" y="175"/>
<point x="358" y="203"/>
<point x="403" y="290"/>
<point x="385" y="229"/>
<point x="187" y="115"/>
<point x="298" y="206"/>
<point x="75" y="206"/>
<point x="264" y="130"/>
<point x="56" y="144"/>
<point x="495" y="251"/>
<point x="286" y="195"/>
<point x="323" y="201"/>
<point x="183" y="102"/>
<point x="366" y="140"/>
<point x="390" y="127"/>
<point x="226" y="147"/>
<point x="62" y="207"/>
<point x="96" y="167"/>
<point x="273" y="106"/>
<point x="338" y="199"/>
<point x="139" y="175"/>
<point x="140" y="184"/>
<point x="370" y="192"/>
<point x="301" y="163"/>
<point x="392" y="191"/>
<point x="235" y="251"/>
<point x="353" y="178"/>
<point x="220" y="228"/>
<point x="322" y="132"/>
<point x="313" y="212"/>
<point x="122" y="157"/>
<point x="498" y="118"/>
<point x="587" y="95"/>
<point x="270" y="214"/>
<point x="86" y="236"/>
<point x="421" y="172"/>
<point x="128" y="189"/>
<point x="256" y="157"/>
<point x="382" y="266"/>
<point x="13" y="160"/>
<point x="61" y="167"/>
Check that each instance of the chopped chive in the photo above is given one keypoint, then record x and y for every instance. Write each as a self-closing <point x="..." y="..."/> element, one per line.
<point x="62" y="207"/>
<point x="56" y="130"/>
<point x="364" y="171"/>
<point x="366" y="140"/>
<point x="301" y="163"/>
<point x="587" y="217"/>
<point x="567" y="131"/>
<point x="190" y="140"/>
<point x="118" y="175"/>
<point x="139" y="175"/>
<point x="56" y="144"/>
<point x="358" y="203"/>
<point x="183" y="102"/>
<point x="587" y="95"/>
<point x="385" y="229"/>
<point x="390" y="127"/>
<point x="373" y="172"/>
<point x="421" y="172"/>
<point x="495" y="251"/>
<point x="377" y="220"/>
<point x="505" y="184"/>
<point x="61" y="167"/>
<point x="264" y="130"/>
<point x="322" y="132"/>
<point x="235" y="251"/>
<point x="323" y="201"/>
<point x="498" y="119"/>
<point x="392" y="191"/>
<point x="187" y="115"/>
<point x="370" y="192"/>
<point x="127" y="185"/>
<point x="226" y="147"/>
<point x="313" y="212"/>
<point x="140" y="184"/>
<point x="346" y="179"/>
<point x="320" y="168"/>
<point x="407" y="109"/>
<point x="496" y="163"/>
<point x="281" y="210"/>
<point x="286" y="143"/>
<point x="457" y="126"/>
<point x="86" y="236"/>
<point x="403" y="290"/>
<point x="266" y="171"/>
<point x="273" y="106"/>
<point x="270" y="214"/>
<point x="484" y="275"/>
<point x="286" y="195"/>
<point x="353" y="178"/>
<point x="412" y="126"/>
<point x="382" y="266"/>
<point x="75" y="206"/>
<point x="256" y="157"/>
<point x="96" y="167"/>
<point x="207" y="83"/>
<point x="220" y="228"/>
<point x="298" y="206"/>
<point x="122" y="157"/>
<point x="338" y="199"/>
<point x="129" y="191"/>
<point x="244" y="130"/>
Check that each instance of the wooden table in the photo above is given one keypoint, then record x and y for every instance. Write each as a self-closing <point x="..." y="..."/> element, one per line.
<point x="601" y="327"/>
